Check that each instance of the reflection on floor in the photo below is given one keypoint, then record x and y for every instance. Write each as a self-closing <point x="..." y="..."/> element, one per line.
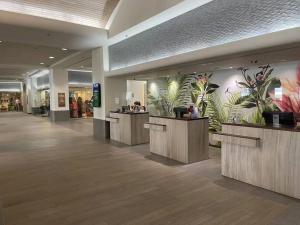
<point x="58" y="174"/>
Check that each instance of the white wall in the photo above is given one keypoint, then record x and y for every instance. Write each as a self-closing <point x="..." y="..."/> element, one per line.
<point x="133" y="12"/>
<point x="115" y="94"/>
<point x="138" y="89"/>
<point x="58" y="80"/>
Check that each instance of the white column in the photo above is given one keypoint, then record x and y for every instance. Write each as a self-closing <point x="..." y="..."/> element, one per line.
<point x="98" y="77"/>
<point x="35" y="97"/>
<point x="113" y="92"/>
<point x="27" y="105"/>
<point x="59" y="87"/>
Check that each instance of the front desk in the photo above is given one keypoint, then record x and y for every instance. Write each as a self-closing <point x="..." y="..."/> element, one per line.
<point x="128" y="128"/>
<point x="183" y="140"/>
<point x="263" y="156"/>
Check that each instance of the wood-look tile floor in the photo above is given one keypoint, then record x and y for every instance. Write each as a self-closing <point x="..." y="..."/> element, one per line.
<point x="57" y="174"/>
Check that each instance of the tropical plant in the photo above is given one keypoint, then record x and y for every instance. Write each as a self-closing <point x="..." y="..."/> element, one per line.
<point x="259" y="85"/>
<point x="173" y="92"/>
<point x="202" y="89"/>
<point x="219" y="112"/>
<point x="290" y="101"/>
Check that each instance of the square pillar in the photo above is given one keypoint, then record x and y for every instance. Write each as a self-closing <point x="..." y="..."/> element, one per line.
<point x="113" y="93"/>
<point x="35" y="97"/>
<point x="28" y="97"/>
<point x="59" y="95"/>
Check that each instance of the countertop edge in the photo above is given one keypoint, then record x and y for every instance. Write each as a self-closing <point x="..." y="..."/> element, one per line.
<point x="138" y="113"/>
<point x="291" y="129"/>
<point x="183" y="119"/>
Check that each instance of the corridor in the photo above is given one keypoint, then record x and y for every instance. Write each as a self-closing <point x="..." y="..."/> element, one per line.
<point x="56" y="173"/>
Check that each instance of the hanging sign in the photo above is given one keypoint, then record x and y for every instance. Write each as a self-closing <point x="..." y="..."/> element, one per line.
<point x="61" y="100"/>
<point x="96" y="95"/>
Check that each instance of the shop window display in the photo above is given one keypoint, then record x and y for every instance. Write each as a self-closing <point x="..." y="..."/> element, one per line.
<point x="81" y="103"/>
<point x="45" y="102"/>
<point x="10" y="102"/>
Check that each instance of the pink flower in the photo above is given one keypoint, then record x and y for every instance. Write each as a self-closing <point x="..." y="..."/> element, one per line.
<point x="290" y="100"/>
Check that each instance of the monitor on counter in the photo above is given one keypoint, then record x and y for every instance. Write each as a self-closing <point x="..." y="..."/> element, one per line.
<point x="279" y="118"/>
<point x="180" y="111"/>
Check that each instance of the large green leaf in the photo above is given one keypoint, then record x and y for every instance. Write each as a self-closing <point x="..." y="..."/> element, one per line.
<point x="210" y="91"/>
<point x="242" y="99"/>
<point x="214" y="86"/>
<point x="194" y="97"/>
<point x="243" y="84"/>
<point x="248" y="105"/>
<point x="196" y="86"/>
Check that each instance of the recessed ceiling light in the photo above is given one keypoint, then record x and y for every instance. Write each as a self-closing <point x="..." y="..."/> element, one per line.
<point x="64" y="49"/>
<point x="42" y="63"/>
<point x="1" y="41"/>
<point x="51" y="57"/>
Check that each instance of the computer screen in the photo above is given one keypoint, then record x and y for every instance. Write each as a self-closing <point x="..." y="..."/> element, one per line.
<point x="279" y="118"/>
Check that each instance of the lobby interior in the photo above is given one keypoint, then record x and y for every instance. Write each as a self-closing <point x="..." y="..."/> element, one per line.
<point x="135" y="112"/>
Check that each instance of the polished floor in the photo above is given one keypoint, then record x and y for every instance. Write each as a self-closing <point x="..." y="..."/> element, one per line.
<point x="57" y="174"/>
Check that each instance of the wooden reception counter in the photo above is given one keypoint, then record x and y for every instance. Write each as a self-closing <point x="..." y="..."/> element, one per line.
<point x="128" y="128"/>
<point x="184" y="140"/>
<point x="263" y="156"/>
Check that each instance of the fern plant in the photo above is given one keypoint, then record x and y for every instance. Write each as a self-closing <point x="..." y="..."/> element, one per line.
<point x="174" y="92"/>
<point x="219" y="112"/>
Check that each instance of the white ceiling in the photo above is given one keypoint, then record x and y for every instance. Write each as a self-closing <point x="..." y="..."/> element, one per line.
<point x="18" y="59"/>
<point x="93" y="13"/>
<point x="251" y="44"/>
<point x="33" y="30"/>
<point x="274" y="55"/>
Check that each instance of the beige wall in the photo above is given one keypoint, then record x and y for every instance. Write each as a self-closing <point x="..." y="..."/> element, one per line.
<point x="133" y="12"/>
<point x="115" y="94"/>
<point x="138" y="89"/>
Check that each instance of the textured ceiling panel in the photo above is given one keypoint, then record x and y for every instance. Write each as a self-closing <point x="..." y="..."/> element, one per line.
<point x="77" y="77"/>
<point x="216" y="23"/>
<point x="43" y="82"/>
<point x="86" y="12"/>
<point x="10" y="87"/>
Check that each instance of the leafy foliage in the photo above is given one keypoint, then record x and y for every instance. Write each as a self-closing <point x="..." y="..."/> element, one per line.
<point x="202" y="89"/>
<point x="219" y="112"/>
<point x="259" y="85"/>
<point x="174" y="92"/>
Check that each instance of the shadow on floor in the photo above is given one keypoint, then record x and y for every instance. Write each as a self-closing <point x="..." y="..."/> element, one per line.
<point x="163" y="160"/>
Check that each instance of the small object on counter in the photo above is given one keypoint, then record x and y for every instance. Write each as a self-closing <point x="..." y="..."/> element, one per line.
<point x="193" y="112"/>
<point x="180" y="111"/>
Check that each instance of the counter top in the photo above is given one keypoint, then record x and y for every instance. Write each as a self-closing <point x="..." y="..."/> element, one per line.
<point x="284" y="128"/>
<point x="174" y="118"/>
<point x="130" y="113"/>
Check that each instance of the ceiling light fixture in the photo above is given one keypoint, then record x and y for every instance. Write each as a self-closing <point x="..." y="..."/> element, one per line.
<point x="1" y="41"/>
<point x="42" y="63"/>
<point x="51" y="57"/>
<point x="64" y="49"/>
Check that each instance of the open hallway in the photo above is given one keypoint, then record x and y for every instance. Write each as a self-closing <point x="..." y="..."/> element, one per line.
<point x="56" y="173"/>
